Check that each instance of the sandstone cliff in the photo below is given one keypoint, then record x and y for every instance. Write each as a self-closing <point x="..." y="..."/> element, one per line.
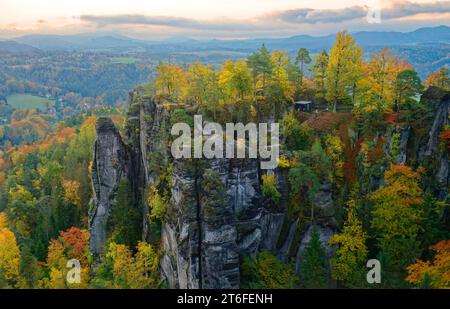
<point x="217" y="211"/>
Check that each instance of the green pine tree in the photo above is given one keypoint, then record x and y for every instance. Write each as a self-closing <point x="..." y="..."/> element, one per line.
<point x="126" y="223"/>
<point x="313" y="269"/>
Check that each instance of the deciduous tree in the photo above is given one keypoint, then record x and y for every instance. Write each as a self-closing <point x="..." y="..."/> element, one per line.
<point x="378" y="84"/>
<point x="280" y="90"/>
<point x="170" y="82"/>
<point x="348" y="264"/>
<point x="397" y="216"/>
<point x="344" y="69"/>
<point x="136" y="272"/>
<point x="9" y="253"/>
<point x="439" y="78"/>
<point x="434" y="273"/>
<point x="236" y="79"/>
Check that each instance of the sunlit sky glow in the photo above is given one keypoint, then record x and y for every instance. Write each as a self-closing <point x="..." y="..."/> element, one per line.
<point x="232" y="19"/>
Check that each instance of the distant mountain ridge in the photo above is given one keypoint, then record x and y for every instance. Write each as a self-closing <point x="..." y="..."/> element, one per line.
<point x="77" y="42"/>
<point x="14" y="47"/>
<point x="440" y="34"/>
<point x="426" y="49"/>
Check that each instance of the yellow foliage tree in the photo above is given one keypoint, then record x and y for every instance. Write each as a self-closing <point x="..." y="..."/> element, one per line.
<point x="9" y="252"/>
<point x="397" y="215"/>
<point x="170" y="82"/>
<point x="71" y="192"/>
<point x="344" y="69"/>
<point x="280" y="89"/>
<point x="204" y="89"/>
<point x="269" y="188"/>
<point x="201" y="79"/>
<point x="20" y="193"/>
<point x="134" y="272"/>
<point x="157" y="203"/>
<point x="236" y="79"/>
<point x="377" y="86"/>
<point x="348" y="263"/>
<point x="334" y="148"/>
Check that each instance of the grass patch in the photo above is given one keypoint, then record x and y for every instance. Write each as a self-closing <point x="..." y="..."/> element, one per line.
<point x="216" y="53"/>
<point x="125" y="60"/>
<point x="27" y="101"/>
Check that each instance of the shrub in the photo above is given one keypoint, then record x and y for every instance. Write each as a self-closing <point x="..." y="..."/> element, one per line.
<point x="158" y="204"/>
<point x="269" y="188"/>
<point x="265" y="271"/>
<point x="298" y="136"/>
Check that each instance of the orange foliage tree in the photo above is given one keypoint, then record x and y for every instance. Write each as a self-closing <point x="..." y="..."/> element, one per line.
<point x="435" y="273"/>
<point x="71" y="244"/>
<point x="439" y="79"/>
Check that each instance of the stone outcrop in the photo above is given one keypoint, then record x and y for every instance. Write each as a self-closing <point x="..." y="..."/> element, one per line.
<point x="209" y="226"/>
<point x="217" y="211"/>
<point x="111" y="164"/>
<point x="206" y="199"/>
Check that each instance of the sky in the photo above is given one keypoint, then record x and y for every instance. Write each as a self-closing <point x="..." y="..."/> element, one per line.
<point x="221" y="19"/>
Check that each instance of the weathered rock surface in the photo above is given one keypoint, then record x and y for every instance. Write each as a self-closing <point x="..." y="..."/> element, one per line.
<point x="217" y="211"/>
<point x="111" y="164"/>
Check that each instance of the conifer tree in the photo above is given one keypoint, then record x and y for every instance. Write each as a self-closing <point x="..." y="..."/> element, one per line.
<point x="313" y="269"/>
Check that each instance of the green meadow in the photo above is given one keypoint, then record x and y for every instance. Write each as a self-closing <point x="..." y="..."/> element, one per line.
<point x="27" y="101"/>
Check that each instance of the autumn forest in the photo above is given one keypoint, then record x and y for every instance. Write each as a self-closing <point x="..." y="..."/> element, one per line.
<point x="363" y="174"/>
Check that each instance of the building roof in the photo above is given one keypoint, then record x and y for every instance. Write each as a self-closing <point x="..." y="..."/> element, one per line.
<point x="303" y="102"/>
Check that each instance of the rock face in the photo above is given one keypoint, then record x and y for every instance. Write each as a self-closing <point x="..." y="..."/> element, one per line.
<point x="440" y="119"/>
<point x="217" y="208"/>
<point x="216" y="205"/>
<point x="201" y="243"/>
<point x="217" y="211"/>
<point x="440" y="101"/>
<point x="419" y="144"/>
<point x="111" y="164"/>
<point x="403" y="144"/>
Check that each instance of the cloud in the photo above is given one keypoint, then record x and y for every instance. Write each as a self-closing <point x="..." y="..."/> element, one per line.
<point x="168" y="21"/>
<point x="276" y="23"/>
<point x="303" y="16"/>
<point x="406" y="9"/>
<point x="313" y="16"/>
<point x="397" y="10"/>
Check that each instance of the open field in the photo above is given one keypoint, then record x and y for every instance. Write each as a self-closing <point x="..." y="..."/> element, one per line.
<point x="125" y="60"/>
<point x="27" y="101"/>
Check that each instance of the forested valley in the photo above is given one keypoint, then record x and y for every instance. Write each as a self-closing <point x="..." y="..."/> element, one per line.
<point x="363" y="174"/>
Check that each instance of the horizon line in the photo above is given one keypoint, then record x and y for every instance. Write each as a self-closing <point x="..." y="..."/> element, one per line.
<point x="98" y="34"/>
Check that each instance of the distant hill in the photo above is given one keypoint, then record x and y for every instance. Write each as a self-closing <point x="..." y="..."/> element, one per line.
<point x="427" y="49"/>
<point x="14" y="47"/>
<point x="440" y="34"/>
<point x="78" y="42"/>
